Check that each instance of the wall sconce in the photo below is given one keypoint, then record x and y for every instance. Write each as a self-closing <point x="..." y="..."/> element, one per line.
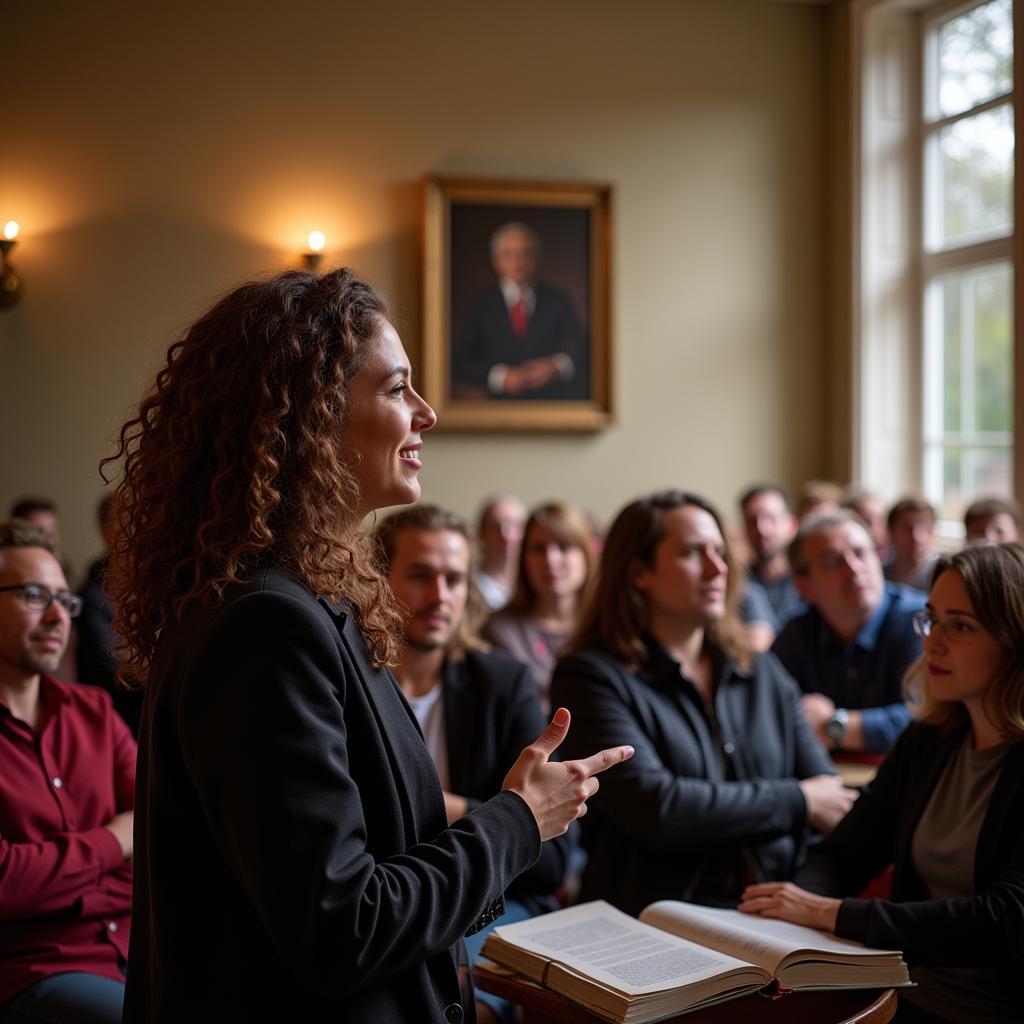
<point x="10" y="282"/>
<point x="311" y="259"/>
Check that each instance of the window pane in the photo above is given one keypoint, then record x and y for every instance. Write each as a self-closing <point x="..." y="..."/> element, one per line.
<point x="974" y="191"/>
<point x="975" y="52"/>
<point x="951" y="361"/>
<point x="993" y="354"/>
<point x="968" y="377"/>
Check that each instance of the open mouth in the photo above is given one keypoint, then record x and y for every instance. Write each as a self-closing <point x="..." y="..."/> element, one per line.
<point x="412" y="455"/>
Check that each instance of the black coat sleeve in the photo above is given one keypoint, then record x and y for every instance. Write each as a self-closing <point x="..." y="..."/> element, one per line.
<point x="266" y="742"/>
<point x="984" y="929"/>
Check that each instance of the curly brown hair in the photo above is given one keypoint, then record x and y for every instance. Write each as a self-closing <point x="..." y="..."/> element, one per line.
<point x="235" y="457"/>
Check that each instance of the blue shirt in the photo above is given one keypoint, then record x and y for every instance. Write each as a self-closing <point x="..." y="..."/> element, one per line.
<point x="773" y="603"/>
<point x="865" y="675"/>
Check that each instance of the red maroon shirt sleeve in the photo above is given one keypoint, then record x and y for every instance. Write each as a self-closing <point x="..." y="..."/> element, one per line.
<point x="65" y="888"/>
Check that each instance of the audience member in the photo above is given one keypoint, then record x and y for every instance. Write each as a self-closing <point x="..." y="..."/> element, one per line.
<point x="911" y="524"/>
<point x="41" y="512"/>
<point x="500" y="532"/>
<point x="869" y="507"/>
<point x="476" y="710"/>
<point x="726" y="772"/>
<point x="995" y="519"/>
<point x="67" y="788"/>
<point x="945" y="809"/>
<point x="97" y="662"/>
<point x="556" y="566"/>
<point x="850" y="649"/>
<point x="770" y="598"/>
<point x="818" y="497"/>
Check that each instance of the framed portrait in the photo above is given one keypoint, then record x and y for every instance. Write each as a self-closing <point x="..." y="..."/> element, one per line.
<point x="516" y="319"/>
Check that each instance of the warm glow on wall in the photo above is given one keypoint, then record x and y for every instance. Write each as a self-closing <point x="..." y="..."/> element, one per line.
<point x="10" y="280"/>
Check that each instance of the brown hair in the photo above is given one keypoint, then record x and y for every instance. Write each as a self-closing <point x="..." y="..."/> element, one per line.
<point x="909" y="506"/>
<point x="993" y="575"/>
<point x="19" y="533"/>
<point x="988" y="508"/>
<point x="434" y="519"/>
<point x="569" y="525"/>
<point x="616" y="615"/>
<point x="235" y="457"/>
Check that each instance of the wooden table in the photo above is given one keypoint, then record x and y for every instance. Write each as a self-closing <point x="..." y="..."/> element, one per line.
<point x="850" y="1006"/>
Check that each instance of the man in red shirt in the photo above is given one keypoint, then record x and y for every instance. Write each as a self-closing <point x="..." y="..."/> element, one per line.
<point x="67" y="788"/>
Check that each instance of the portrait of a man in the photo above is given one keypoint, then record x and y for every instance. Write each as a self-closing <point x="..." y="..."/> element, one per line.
<point x="515" y="302"/>
<point x="521" y="338"/>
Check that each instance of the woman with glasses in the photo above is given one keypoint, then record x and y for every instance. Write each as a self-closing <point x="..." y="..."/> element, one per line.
<point x="946" y="809"/>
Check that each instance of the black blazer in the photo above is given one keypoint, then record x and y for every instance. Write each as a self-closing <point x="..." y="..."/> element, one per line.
<point x="667" y="820"/>
<point x="487" y="338"/>
<point x="491" y="712"/>
<point x="985" y="930"/>
<point x="292" y="858"/>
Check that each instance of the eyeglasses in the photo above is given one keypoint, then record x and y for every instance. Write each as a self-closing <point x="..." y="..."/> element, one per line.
<point x="951" y="629"/>
<point x="38" y="598"/>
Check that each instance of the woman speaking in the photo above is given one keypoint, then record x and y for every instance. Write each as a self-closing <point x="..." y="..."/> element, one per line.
<point x="293" y="860"/>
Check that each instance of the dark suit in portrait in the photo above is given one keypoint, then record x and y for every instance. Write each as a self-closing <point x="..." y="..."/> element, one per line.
<point x="489" y="338"/>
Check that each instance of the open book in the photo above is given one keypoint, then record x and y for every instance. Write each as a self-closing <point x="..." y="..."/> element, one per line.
<point x="679" y="957"/>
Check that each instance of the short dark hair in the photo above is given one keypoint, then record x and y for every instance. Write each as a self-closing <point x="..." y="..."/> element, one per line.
<point x="434" y="519"/>
<point x="25" y="507"/>
<point x="758" y="489"/>
<point x="909" y="506"/>
<point x="987" y="508"/>
<point x="17" y="533"/>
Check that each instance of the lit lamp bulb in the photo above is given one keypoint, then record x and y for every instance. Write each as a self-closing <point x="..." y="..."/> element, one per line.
<point x="316" y="242"/>
<point x="10" y="281"/>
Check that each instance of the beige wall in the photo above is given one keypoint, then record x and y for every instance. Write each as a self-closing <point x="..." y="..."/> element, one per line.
<point x="154" y="160"/>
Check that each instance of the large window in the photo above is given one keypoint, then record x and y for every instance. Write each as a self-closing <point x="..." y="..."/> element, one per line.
<point x="966" y="260"/>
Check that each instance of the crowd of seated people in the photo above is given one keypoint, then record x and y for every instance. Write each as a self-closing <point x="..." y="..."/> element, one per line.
<point x="734" y="680"/>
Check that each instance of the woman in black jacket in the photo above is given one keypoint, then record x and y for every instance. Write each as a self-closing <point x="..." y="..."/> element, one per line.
<point x="946" y="809"/>
<point x="293" y="858"/>
<point x="727" y="773"/>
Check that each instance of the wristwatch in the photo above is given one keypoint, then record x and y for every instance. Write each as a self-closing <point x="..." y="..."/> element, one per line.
<point x="835" y="727"/>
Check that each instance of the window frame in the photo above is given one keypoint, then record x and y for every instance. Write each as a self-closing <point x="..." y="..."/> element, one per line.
<point x="891" y="264"/>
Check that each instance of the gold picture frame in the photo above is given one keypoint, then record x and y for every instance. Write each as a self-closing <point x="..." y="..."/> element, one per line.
<point x="481" y="360"/>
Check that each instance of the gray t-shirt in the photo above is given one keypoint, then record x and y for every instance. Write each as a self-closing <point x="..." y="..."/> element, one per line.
<point x="943" y="853"/>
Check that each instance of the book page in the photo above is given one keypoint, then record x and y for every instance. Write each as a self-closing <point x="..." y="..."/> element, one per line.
<point x="598" y="941"/>
<point x="761" y="940"/>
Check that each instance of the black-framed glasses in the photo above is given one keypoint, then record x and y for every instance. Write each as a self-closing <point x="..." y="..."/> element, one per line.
<point x="38" y="598"/>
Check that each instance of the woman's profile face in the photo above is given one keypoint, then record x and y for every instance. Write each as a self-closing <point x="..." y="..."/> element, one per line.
<point x="961" y="655"/>
<point x="554" y="567"/>
<point x="686" y="580"/>
<point x="381" y="439"/>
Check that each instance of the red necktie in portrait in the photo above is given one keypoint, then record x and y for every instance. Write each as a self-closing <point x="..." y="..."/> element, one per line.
<point x="517" y="314"/>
